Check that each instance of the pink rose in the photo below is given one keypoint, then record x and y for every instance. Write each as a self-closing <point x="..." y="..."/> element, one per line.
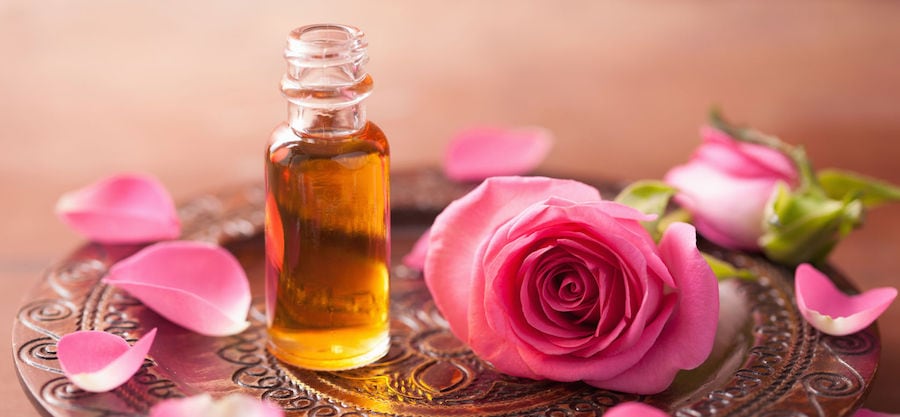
<point x="726" y="185"/>
<point x="544" y="280"/>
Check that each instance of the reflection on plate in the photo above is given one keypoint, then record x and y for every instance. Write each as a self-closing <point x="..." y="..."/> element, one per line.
<point x="767" y="360"/>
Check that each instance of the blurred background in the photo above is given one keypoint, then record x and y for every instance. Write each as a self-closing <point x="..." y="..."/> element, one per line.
<point x="188" y="91"/>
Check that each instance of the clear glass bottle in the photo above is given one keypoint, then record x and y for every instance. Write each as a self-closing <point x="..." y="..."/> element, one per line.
<point x="327" y="209"/>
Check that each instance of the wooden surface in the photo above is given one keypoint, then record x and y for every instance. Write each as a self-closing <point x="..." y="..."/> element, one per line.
<point x="188" y="92"/>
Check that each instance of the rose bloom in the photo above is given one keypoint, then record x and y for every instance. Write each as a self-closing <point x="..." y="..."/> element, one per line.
<point x="544" y="280"/>
<point x="726" y="186"/>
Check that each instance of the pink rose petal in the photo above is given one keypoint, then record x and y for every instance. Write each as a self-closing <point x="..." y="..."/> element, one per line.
<point x="234" y="405"/>
<point x="634" y="409"/>
<point x="688" y="338"/>
<point x="741" y="158"/>
<point x="831" y="311"/>
<point x="415" y="259"/>
<point x="726" y="210"/>
<point x="126" y="208"/>
<point x="97" y="361"/>
<point x="482" y="152"/>
<point x="196" y="285"/>
<point x="862" y="412"/>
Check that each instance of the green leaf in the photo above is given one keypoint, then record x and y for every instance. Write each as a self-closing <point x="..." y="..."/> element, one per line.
<point x="678" y="215"/>
<point x="650" y="197"/>
<point x="725" y="270"/>
<point x="842" y="184"/>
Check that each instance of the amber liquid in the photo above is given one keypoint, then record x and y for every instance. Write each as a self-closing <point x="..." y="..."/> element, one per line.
<point x="328" y="248"/>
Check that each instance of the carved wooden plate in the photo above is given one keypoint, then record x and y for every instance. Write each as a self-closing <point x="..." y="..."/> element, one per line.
<point x="767" y="360"/>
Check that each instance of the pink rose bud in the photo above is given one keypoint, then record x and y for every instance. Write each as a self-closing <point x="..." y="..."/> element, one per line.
<point x="726" y="186"/>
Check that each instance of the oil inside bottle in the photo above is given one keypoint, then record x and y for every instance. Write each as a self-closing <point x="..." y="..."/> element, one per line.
<point x="328" y="248"/>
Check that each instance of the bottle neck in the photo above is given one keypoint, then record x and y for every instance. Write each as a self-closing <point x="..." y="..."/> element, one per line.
<point x="328" y="112"/>
<point x="326" y="83"/>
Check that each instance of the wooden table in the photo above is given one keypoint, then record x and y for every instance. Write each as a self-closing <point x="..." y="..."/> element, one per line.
<point x="189" y="93"/>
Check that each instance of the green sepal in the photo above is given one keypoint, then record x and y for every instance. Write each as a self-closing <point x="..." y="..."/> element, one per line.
<point x="649" y="197"/>
<point x="805" y="226"/>
<point x="870" y="191"/>
<point x="725" y="270"/>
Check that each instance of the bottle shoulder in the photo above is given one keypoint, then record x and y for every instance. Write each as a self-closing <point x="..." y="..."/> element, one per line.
<point x="368" y="139"/>
<point x="374" y="133"/>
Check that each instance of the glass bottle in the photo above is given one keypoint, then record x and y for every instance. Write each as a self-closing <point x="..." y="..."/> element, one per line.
<point x="327" y="209"/>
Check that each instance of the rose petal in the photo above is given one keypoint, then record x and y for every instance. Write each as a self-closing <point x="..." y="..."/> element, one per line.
<point x="482" y="152"/>
<point x="196" y="285"/>
<point x="634" y="409"/>
<point x="97" y="361"/>
<point x="831" y="311"/>
<point x="126" y="208"/>
<point x="742" y="158"/>
<point x="467" y="222"/>
<point x="687" y="339"/>
<point x="415" y="259"/>
<point x="727" y="210"/>
<point x="234" y="405"/>
<point x="863" y="412"/>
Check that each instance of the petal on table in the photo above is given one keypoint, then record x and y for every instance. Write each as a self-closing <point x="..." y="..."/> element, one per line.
<point x="97" y="361"/>
<point x="234" y="405"/>
<point x="864" y="412"/>
<point x="125" y="208"/>
<point x="634" y="409"/>
<point x="828" y="309"/>
<point x="196" y="285"/>
<point x="482" y="152"/>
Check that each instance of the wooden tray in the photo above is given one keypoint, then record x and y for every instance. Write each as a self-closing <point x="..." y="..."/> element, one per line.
<point x="768" y="360"/>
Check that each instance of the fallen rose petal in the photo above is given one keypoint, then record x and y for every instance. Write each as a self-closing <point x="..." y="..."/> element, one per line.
<point x="634" y="409"/>
<point x="234" y="405"/>
<point x="196" y="285"/>
<point x="831" y="311"/>
<point x="97" y="361"/>
<point x="126" y="208"/>
<point x="863" y="412"/>
<point x="482" y="152"/>
<point x="415" y="259"/>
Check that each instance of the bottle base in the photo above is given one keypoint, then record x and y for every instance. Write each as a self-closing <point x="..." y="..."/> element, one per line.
<point x="378" y="351"/>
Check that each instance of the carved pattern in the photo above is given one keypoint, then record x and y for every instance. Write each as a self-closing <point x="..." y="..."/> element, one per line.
<point x="857" y="344"/>
<point x="37" y="315"/>
<point x="788" y="369"/>
<point x="782" y="351"/>
<point x="40" y="353"/>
